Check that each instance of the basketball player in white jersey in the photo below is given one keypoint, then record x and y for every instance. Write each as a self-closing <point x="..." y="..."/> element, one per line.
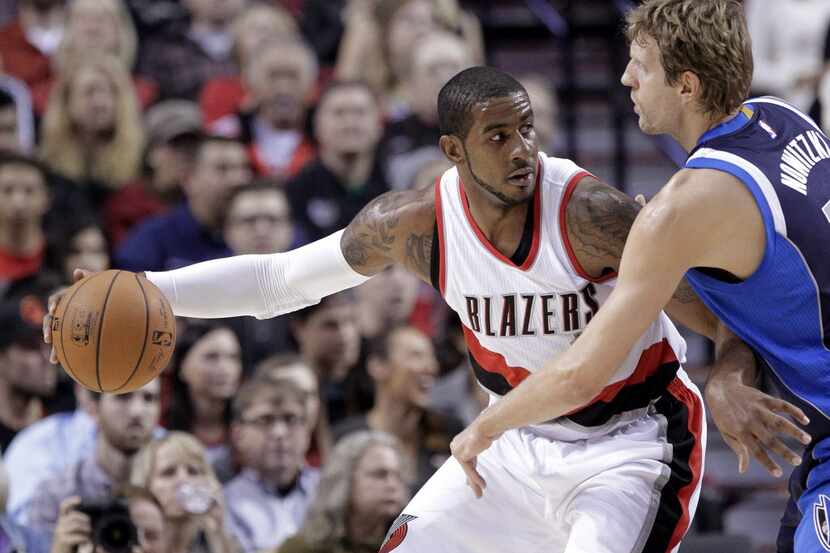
<point x="524" y="247"/>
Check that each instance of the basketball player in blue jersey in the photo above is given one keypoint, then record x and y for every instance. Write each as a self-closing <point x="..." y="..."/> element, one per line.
<point x="747" y="221"/>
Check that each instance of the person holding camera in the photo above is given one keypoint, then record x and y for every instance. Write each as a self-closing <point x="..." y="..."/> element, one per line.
<point x="125" y="423"/>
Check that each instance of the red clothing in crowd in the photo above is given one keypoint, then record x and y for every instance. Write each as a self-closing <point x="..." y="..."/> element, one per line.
<point x="21" y="59"/>
<point x="221" y="96"/>
<point x="14" y="267"/>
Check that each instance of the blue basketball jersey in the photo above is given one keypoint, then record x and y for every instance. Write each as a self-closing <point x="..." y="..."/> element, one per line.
<point x="783" y="309"/>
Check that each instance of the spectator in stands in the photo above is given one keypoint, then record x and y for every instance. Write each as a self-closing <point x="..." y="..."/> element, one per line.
<point x="329" y="341"/>
<point x="176" y="471"/>
<point x="259" y="23"/>
<point x="362" y="490"/>
<point x="258" y="220"/>
<point x="26" y="376"/>
<point x="173" y="130"/>
<point x="27" y="43"/>
<point x="17" y="133"/>
<point x="205" y="376"/>
<point x="413" y="141"/>
<point x="788" y="62"/>
<point x="191" y="231"/>
<point x="403" y="365"/>
<point x="188" y="54"/>
<point x="148" y="516"/>
<point x="291" y="367"/>
<point x="380" y="37"/>
<point x="279" y="78"/>
<point x="349" y="172"/>
<point x="30" y="458"/>
<point x="385" y="301"/>
<point x="266" y="503"/>
<point x="545" y="109"/>
<point x="103" y="27"/>
<point x="24" y="201"/>
<point x="14" y="536"/>
<point x="81" y="245"/>
<point x="125" y="424"/>
<point x="92" y="128"/>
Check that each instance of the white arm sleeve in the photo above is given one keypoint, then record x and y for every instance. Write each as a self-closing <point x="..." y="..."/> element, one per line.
<point x="260" y="285"/>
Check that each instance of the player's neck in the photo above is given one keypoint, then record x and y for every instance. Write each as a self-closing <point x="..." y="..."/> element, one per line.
<point x="502" y="225"/>
<point x="695" y="126"/>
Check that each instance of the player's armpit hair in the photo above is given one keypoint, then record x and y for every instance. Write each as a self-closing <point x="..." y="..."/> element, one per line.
<point x="394" y="227"/>
<point x="598" y="219"/>
<point x="685" y="293"/>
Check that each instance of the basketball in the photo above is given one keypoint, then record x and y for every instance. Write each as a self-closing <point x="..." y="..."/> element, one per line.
<point x="113" y="332"/>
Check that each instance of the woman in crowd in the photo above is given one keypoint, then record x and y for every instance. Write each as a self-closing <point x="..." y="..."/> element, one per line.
<point x="361" y="492"/>
<point x="176" y="472"/>
<point x="203" y="380"/>
<point x="92" y="131"/>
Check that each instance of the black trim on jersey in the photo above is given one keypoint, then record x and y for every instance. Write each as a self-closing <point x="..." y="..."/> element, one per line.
<point x="494" y="382"/>
<point x="633" y="396"/>
<point x="435" y="260"/>
<point x="669" y="511"/>
<point x="526" y="243"/>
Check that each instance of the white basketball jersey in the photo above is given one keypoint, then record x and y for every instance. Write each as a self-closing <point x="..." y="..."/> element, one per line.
<point x="516" y="318"/>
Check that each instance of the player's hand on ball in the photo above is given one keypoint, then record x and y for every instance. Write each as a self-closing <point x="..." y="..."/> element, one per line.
<point x="752" y="423"/>
<point x="465" y="447"/>
<point x="78" y="274"/>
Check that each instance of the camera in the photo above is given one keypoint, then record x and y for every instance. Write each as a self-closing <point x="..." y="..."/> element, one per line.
<point x="112" y="528"/>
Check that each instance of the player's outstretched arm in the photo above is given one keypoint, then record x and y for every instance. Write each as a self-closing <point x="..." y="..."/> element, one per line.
<point x="599" y="218"/>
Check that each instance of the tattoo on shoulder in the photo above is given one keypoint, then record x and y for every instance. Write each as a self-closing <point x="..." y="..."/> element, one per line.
<point x="598" y="219"/>
<point x="383" y="230"/>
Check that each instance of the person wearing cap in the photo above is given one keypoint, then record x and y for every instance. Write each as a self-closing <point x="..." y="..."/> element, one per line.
<point x="26" y="376"/>
<point x="173" y="130"/>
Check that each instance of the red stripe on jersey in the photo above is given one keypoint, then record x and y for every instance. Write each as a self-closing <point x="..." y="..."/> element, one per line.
<point x="537" y="224"/>
<point x="439" y="219"/>
<point x="563" y="229"/>
<point x="695" y="425"/>
<point x="493" y="362"/>
<point x="652" y="358"/>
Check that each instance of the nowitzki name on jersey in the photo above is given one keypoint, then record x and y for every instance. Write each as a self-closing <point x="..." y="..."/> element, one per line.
<point x="800" y="156"/>
<point x="532" y="314"/>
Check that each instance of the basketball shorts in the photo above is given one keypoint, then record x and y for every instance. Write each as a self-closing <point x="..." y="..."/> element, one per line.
<point x="631" y="486"/>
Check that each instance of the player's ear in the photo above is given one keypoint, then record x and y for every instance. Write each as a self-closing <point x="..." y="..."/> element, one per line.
<point x="452" y="148"/>
<point x="689" y="86"/>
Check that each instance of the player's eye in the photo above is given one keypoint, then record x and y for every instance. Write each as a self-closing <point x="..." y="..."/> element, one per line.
<point x="498" y="137"/>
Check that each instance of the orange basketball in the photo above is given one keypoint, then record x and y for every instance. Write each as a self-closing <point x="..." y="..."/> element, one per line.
<point x="113" y="332"/>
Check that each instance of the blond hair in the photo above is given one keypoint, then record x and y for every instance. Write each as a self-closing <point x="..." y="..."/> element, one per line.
<point x="186" y="445"/>
<point x="127" y="38"/>
<point x="706" y="37"/>
<point x="117" y="160"/>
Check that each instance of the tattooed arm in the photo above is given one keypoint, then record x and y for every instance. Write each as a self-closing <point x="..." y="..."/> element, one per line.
<point x="598" y="219"/>
<point x="395" y="227"/>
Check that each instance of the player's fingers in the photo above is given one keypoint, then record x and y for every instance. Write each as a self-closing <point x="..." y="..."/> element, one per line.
<point x="47" y="328"/>
<point x="640" y="199"/>
<point x="759" y="453"/>
<point x="53" y="356"/>
<point x="474" y="479"/>
<point x="79" y="274"/>
<point x="780" y="425"/>
<point x="781" y="406"/>
<point x="740" y="450"/>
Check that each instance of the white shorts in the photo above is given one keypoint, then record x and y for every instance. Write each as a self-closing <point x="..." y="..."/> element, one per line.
<point x="632" y="489"/>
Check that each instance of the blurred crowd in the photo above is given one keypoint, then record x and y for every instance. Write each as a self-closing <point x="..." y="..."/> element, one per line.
<point x="152" y="134"/>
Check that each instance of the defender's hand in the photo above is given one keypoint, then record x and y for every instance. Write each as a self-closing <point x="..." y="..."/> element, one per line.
<point x="77" y="275"/>
<point x="465" y="447"/>
<point x="752" y="423"/>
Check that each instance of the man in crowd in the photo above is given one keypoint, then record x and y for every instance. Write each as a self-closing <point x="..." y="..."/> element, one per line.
<point x="349" y="171"/>
<point x="191" y="232"/>
<point x="267" y="502"/>
<point x="26" y="376"/>
<point x="279" y="79"/>
<point x="125" y="423"/>
<point x="403" y="366"/>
